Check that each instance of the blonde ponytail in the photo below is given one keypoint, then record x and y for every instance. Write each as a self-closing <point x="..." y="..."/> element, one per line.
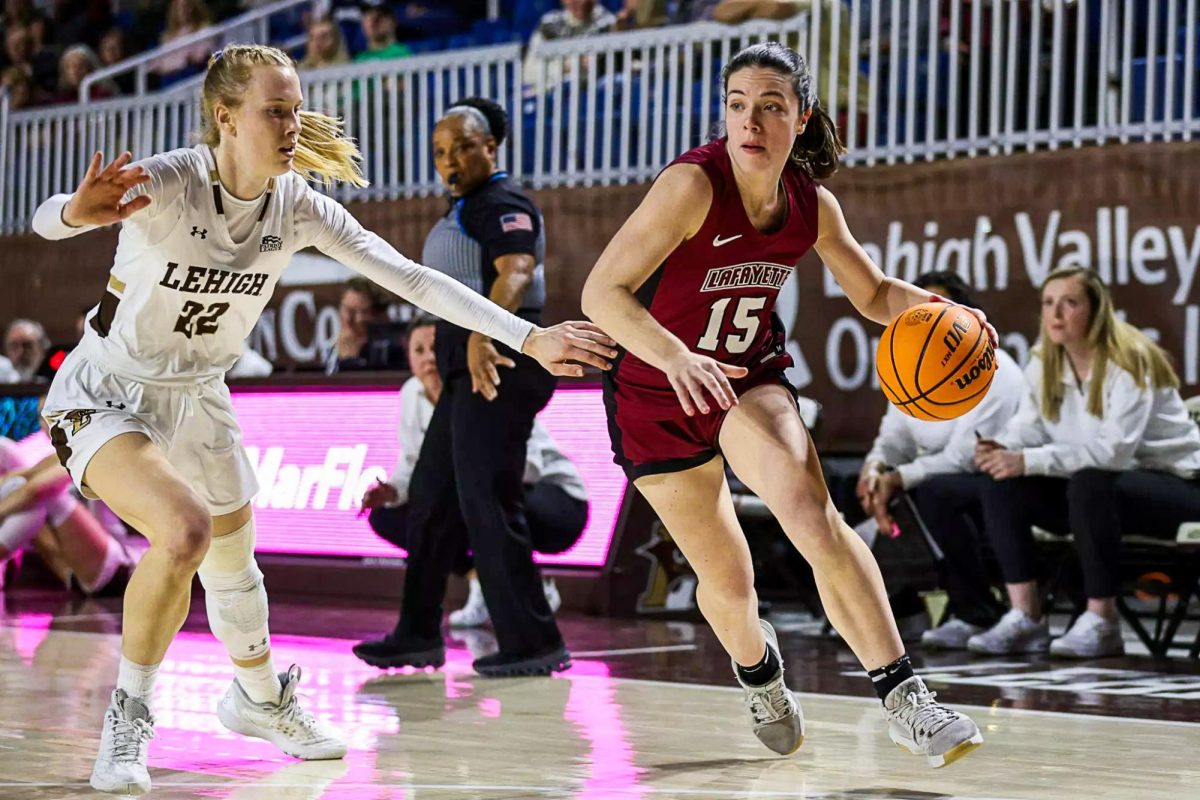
<point x="323" y="153"/>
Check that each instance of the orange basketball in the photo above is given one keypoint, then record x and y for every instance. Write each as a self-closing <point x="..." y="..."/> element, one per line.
<point x="935" y="361"/>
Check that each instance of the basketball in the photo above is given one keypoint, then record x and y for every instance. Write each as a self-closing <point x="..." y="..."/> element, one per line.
<point x="935" y="361"/>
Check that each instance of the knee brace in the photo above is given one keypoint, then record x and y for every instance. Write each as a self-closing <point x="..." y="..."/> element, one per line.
<point x="234" y="596"/>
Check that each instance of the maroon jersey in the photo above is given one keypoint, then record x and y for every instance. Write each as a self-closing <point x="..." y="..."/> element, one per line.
<point x="717" y="290"/>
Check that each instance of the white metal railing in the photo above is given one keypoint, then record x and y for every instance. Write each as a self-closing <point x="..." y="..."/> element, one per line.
<point x="252" y="26"/>
<point x="615" y="108"/>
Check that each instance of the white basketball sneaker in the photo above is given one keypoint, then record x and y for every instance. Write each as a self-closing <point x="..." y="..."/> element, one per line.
<point x="925" y="727"/>
<point x="121" y="763"/>
<point x="775" y="715"/>
<point x="284" y="724"/>
<point x="475" y="612"/>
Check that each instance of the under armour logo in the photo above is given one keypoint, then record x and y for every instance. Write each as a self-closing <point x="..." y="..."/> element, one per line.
<point x="254" y="647"/>
<point x="118" y="406"/>
<point x="270" y="243"/>
<point x="198" y="231"/>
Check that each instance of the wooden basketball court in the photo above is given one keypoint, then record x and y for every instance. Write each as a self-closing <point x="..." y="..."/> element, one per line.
<point x="647" y="711"/>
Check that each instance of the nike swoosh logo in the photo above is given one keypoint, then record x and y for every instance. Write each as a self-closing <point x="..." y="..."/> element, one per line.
<point x="718" y="241"/>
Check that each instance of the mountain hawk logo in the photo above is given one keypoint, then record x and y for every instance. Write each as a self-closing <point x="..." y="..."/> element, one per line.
<point x="79" y="419"/>
<point x="270" y="243"/>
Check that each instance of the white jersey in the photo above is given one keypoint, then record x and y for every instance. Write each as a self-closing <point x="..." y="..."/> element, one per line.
<point x="183" y="294"/>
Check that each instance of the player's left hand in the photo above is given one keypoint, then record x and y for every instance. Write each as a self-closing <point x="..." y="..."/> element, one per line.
<point x="564" y="347"/>
<point x="482" y="360"/>
<point x="979" y="315"/>
<point x="1001" y="464"/>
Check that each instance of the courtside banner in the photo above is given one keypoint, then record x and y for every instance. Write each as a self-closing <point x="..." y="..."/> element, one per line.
<point x="316" y="450"/>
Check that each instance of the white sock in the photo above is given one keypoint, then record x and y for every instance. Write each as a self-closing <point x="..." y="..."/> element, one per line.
<point x="261" y="683"/>
<point x="114" y="557"/>
<point x="137" y="680"/>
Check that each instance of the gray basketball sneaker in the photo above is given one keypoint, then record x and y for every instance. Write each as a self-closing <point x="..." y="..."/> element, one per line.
<point x="121" y="763"/>
<point x="925" y="727"/>
<point x="284" y="724"/>
<point x="774" y="711"/>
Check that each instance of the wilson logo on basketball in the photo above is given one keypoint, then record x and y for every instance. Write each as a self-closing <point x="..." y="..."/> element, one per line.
<point x="918" y="316"/>
<point x="983" y="366"/>
<point x="954" y="337"/>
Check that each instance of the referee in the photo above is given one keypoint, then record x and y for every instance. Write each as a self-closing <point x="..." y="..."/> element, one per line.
<point x="469" y="472"/>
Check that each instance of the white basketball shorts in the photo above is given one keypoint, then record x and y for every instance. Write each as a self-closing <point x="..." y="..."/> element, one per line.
<point x="193" y="424"/>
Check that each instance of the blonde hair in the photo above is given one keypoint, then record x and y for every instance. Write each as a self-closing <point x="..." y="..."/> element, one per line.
<point x="323" y="151"/>
<point x="1111" y="340"/>
<point x="341" y="55"/>
<point x="201" y="18"/>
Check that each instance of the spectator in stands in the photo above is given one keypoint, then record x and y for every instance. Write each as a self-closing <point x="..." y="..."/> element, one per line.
<point x="112" y="51"/>
<point x="21" y="52"/>
<point x="575" y="19"/>
<point x="25" y="344"/>
<point x="555" y="496"/>
<point x="19" y="86"/>
<point x="933" y="464"/>
<point x="1102" y="446"/>
<point x="77" y="62"/>
<point x="184" y="17"/>
<point x="362" y="303"/>
<point x="379" y="29"/>
<point x="326" y="45"/>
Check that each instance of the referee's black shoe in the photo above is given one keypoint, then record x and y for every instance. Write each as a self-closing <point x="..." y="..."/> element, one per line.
<point x="391" y="651"/>
<point x="506" y="665"/>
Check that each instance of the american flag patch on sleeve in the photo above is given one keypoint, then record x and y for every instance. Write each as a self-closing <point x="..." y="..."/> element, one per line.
<point x="516" y="222"/>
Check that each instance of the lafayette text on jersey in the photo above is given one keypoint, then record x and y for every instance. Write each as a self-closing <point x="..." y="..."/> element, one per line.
<point x="717" y="290"/>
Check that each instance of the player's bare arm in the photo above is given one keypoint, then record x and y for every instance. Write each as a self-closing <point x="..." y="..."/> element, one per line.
<point x="874" y="295"/>
<point x="672" y="212"/>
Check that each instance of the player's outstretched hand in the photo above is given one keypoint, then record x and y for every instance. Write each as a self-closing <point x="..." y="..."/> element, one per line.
<point x="693" y="375"/>
<point x="564" y="347"/>
<point x="993" y="337"/>
<point x="97" y="201"/>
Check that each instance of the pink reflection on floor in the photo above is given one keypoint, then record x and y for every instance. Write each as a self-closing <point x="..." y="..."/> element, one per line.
<point x="193" y="752"/>
<point x="593" y="708"/>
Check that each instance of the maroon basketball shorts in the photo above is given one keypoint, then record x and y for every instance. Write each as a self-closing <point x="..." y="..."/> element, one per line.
<point x="651" y="434"/>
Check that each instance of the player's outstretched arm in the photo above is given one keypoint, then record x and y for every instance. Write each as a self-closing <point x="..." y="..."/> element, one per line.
<point x="97" y="201"/>
<point x="672" y="211"/>
<point x="562" y="349"/>
<point x="876" y="296"/>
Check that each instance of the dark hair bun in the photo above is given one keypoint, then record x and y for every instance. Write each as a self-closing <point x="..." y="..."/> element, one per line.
<point x="495" y="114"/>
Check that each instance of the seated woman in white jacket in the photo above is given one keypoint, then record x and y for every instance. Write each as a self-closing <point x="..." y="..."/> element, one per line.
<point x="934" y="464"/>
<point x="555" y="496"/>
<point x="1102" y="446"/>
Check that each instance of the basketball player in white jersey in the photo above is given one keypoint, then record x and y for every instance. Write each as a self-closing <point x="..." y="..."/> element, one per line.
<point x="140" y="414"/>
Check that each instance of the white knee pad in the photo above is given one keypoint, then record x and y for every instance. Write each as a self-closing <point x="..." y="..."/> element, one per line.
<point x="235" y="599"/>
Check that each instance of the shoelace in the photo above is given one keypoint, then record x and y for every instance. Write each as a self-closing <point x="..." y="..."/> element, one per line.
<point x="769" y="705"/>
<point x="130" y="738"/>
<point x="926" y="716"/>
<point x="291" y="716"/>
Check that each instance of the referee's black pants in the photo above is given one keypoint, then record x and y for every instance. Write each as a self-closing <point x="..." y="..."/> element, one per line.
<point x="468" y="477"/>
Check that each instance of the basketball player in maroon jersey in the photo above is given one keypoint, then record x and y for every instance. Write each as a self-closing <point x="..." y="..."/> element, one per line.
<point x="687" y="287"/>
